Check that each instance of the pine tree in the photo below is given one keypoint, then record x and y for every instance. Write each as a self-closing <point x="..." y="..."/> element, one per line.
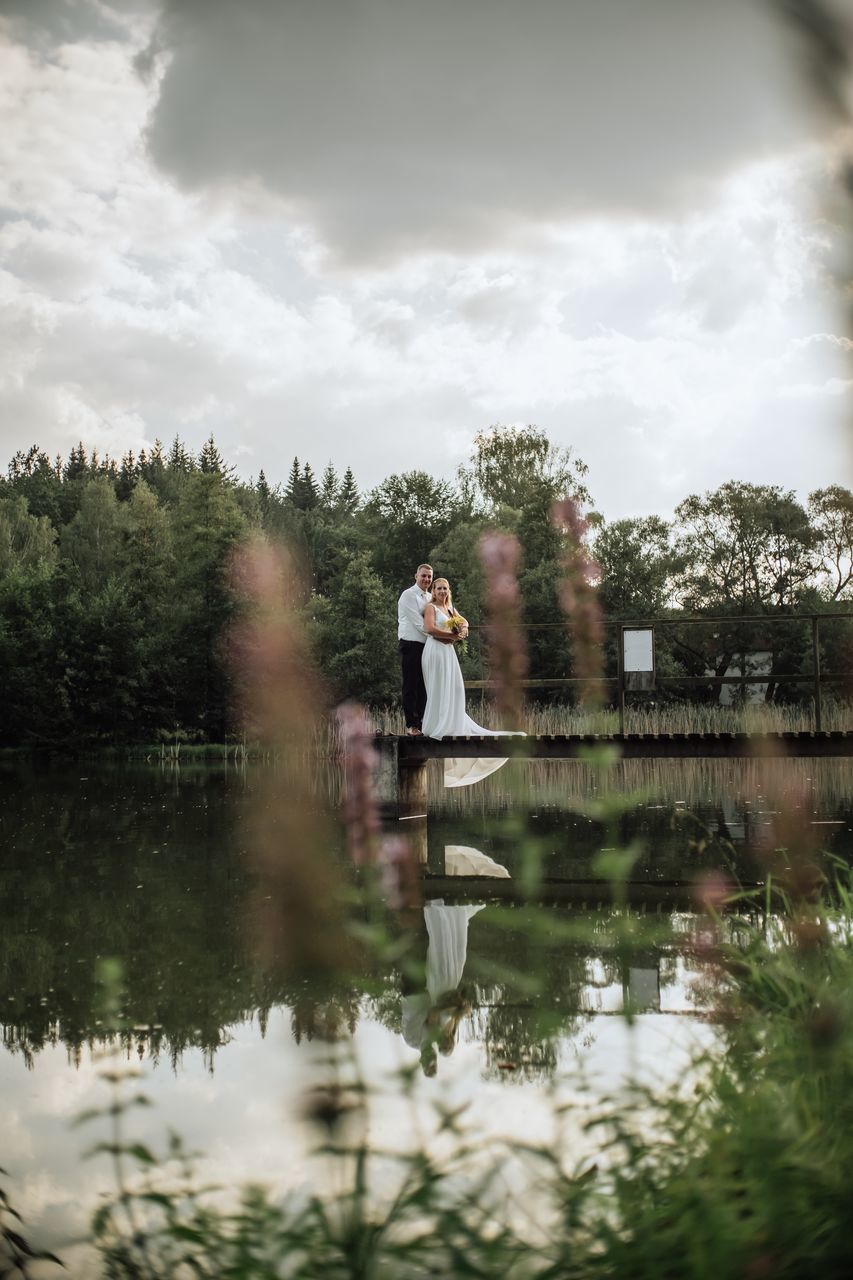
<point x="293" y="488"/>
<point x="348" y="495"/>
<point x="264" y="493"/>
<point x="34" y="477"/>
<point x="210" y="459"/>
<point x="156" y="464"/>
<point x="77" y="466"/>
<point x="26" y="464"/>
<point x="329" y="487"/>
<point x="179" y="458"/>
<point x="310" y="493"/>
<point x="127" y="477"/>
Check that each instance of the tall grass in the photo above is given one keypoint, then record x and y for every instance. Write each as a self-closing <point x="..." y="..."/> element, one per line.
<point x="667" y="718"/>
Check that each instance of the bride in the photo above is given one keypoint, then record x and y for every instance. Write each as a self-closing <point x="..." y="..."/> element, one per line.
<point x="445" y="715"/>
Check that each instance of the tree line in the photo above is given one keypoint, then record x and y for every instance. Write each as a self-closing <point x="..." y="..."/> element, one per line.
<point x="116" y="599"/>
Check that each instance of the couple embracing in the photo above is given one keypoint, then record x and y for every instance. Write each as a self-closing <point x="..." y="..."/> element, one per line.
<point x="433" y="690"/>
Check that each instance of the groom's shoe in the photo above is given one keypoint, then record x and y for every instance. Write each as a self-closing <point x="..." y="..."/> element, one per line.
<point x="413" y="732"/>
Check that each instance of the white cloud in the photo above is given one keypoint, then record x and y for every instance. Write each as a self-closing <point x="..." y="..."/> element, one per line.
<point x="394" y="126"/>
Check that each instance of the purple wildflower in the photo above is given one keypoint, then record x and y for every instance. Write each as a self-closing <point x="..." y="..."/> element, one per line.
<point x="579" y="599"/>
<point x="401" y="878"/>
<point x="360" y="814"/>
<point x="500" y="555"/>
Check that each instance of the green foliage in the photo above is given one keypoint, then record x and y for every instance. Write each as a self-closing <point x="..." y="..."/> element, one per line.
<point x="90" y="541"/>
<point x="831" y="515"/>
<point x="32" y="659"/>
<point x="747" y="549"/>
<point x="31" y="475"/>
<point x="749" y="1175"/>
<point x="639" y="567"/>
<point x="26" y="542"/>
<point x="512" y="466"/>
<point x="356" y="645"/>
<point x="405" y="516"/>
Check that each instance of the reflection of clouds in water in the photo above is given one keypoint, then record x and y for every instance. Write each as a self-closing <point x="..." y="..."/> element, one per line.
<point x="652" y="1050"/>
<point x="17" y="1141"/>
<point x="64" y="1094"/>
<point x="237" y="1120"/>
<point x="241" y="1118"/>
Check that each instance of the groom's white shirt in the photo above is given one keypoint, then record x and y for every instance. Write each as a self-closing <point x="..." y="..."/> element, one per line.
<point x="410" y="614"/>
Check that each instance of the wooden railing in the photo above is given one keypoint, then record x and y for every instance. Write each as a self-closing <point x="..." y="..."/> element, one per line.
<point x="816" y="678"/>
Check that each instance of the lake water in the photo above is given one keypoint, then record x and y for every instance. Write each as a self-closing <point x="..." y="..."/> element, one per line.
<point x="499" y="1001"/>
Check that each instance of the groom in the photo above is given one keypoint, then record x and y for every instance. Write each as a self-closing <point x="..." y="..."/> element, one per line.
<point x="410" y="632"/>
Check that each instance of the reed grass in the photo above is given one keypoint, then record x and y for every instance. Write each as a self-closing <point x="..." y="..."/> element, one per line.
<point x="826" y="783"/>
<point x="667" y="718"/>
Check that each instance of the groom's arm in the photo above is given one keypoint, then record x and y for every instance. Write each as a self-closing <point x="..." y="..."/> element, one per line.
<point x="408" y="611"/>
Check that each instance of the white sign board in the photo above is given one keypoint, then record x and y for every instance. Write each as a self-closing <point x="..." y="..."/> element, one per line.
<point x="639" y="649"/>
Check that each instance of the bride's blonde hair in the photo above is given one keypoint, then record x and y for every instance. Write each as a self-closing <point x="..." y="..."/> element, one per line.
<point x="451" y="610"/>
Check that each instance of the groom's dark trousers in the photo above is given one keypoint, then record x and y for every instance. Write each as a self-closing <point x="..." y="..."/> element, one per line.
<point x="414" y="689"/>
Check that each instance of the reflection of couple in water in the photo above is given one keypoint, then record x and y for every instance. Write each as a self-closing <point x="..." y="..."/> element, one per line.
<point x="429" y="627"/>
<point x="431" y="1018"/>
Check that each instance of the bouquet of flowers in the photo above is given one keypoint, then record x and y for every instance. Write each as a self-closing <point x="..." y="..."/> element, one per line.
<point x="457" y="626"/>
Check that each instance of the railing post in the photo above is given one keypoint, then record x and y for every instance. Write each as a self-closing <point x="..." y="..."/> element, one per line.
<point x="620" y="671"/>
<point x="816" y="669"/>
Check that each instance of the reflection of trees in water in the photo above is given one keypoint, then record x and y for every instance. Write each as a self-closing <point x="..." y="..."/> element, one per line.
<point x="134" y="866"/>
<point x="122" y="865"/>
<point x="327" y="1016"/>
<point x="678" y="840"/>
<point x="520" y="1040"/>
<point x="539" y="998"/>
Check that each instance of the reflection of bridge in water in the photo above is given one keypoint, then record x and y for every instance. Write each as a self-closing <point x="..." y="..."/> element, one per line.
<point x="663" y="880"/>
<point x="404" y="762"/>
<point x="401" y="779"/>
<point x="593" y="894"/>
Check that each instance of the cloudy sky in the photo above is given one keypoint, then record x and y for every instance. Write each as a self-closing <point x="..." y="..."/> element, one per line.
<point x="363" y="230"/>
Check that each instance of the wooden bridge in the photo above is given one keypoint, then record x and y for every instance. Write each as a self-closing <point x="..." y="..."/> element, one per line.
<point x="401" y="776"/>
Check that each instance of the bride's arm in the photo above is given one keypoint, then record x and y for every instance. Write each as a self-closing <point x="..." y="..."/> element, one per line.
<point x="437" y="633"/>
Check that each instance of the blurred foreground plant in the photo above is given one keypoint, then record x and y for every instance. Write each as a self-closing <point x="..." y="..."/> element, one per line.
<point x="282" y="702"/>
<point x="17" y="1254"/>
<point x="579" y="601"/>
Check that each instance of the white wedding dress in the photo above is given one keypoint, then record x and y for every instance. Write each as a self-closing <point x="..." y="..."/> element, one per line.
<point x="445" y="715"/>
<point x="447" y="928"/>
